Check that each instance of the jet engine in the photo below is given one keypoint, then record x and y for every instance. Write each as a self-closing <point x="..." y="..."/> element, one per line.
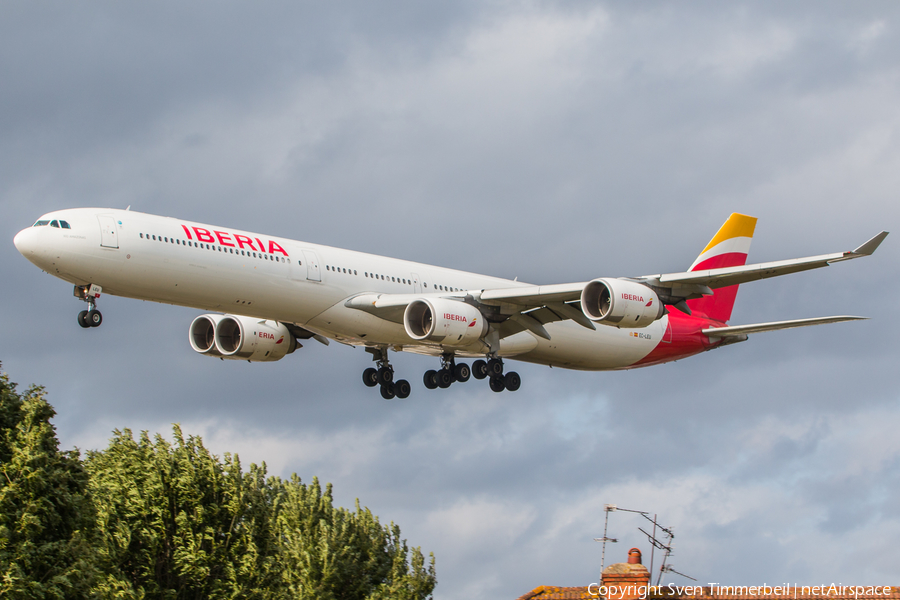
<point x="447" y="322"/>
<point x="620" y="303"/>
<point x="202" y="334"/>
<point x="241" y="338"/>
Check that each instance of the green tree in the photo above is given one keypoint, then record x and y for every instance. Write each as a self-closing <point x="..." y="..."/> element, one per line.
<point x="176" y="522"/>
<point x="330" y="553"/>
<point x="146" y="519"/>
<point x="46" y="517"/>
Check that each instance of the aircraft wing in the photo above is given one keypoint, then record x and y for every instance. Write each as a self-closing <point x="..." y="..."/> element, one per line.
<point x="679" y="286"/>
<point x="533" y="306"/>
<point x="739" y="330"/>
<point x="717" y="278"/>
<point x="525" y="307"/>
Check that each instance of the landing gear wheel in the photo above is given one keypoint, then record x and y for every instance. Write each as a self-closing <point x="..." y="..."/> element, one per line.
<point x="82" y="319"/>
<point x="512" y="381"/>
<point x="387" y="391"/>
<point x="479" y="369"/>
<point x="444" y="378"/>
<point x="402" y="388"/>
<point x="462" y="372"/>
<point x="385" y="376"/>
<point x="497" y="384"/>
<point x="370" y="377"/>
<point x="94" y="318"/>
<point x="495" y="367"/>
<point x="430" y="379"/>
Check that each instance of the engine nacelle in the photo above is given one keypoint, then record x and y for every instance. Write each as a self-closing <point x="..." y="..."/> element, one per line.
<point x="620" y="303"/>
<point x="443" y="321"/>
<point x="202" y="334"/>
<point x="241" y="338"/>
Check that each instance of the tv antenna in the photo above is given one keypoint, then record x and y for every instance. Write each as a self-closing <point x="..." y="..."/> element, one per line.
<point x="608" y="508"/>
<point x="655" y="542"/>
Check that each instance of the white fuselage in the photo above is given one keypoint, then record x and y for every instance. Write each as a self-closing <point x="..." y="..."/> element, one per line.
<point x="207" y="267"/>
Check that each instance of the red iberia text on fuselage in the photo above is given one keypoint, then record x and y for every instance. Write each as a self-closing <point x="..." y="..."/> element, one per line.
<point x="232" y="240"/>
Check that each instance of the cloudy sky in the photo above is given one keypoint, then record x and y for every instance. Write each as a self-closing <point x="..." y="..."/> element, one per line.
<point x="553" y="142"/>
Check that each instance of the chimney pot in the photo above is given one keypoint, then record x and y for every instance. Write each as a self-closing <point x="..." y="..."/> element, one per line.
<point x="634" y="556"/>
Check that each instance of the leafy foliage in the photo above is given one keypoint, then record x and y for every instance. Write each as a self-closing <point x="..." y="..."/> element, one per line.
<point x="179" y="523"/>
<point x="149" y="519"/>
<point x="46" y="517"/>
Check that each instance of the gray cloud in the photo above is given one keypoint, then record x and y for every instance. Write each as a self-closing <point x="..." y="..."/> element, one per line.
<point x="545" y="141"/>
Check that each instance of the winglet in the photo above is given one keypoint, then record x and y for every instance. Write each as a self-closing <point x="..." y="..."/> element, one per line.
<point x="869" y="247"/>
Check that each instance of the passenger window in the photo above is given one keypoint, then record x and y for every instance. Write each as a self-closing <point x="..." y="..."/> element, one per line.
<point x="142" y="236"/>
<point x="54" y="223"/>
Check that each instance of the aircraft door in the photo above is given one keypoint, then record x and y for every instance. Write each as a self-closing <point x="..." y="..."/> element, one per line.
<point x="417" y="283"/>
<point x="312" y="265"/>
<point x="109" y="236"/>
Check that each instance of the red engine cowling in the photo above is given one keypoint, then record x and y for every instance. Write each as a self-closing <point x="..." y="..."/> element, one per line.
<point x="241" y="338"/>
<point x="620" y="303"/>
<point x="443" y="321"/>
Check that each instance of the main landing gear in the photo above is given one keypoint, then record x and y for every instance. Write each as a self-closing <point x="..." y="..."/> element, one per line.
<point x="449" y="373"/>
<point x="89" y="294"/>
<point x="384" y="376"/>
<point x="493" y="370"/>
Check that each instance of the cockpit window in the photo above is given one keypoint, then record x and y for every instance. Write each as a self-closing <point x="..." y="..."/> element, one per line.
<point x="54" y="223"/>
<point x="64" y="224"/>
<point x="41" y="223"/>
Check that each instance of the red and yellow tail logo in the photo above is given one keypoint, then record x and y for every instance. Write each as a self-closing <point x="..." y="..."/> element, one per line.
<point x="728" y="248"/>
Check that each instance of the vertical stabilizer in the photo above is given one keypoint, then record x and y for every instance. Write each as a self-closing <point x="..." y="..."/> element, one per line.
<point x="728" y="248"/>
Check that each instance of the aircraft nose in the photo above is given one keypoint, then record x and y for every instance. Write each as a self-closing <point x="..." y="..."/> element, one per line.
<point x="25" y="241"/>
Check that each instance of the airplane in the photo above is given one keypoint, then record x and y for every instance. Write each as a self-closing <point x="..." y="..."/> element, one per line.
<point x="271" y="293"/>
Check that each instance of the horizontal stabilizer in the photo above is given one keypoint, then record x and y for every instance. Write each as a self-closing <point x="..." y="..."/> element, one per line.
<point x="737" y="330"/>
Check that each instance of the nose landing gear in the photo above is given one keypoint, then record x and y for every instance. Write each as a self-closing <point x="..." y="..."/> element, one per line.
<point x="89" y="294"/>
